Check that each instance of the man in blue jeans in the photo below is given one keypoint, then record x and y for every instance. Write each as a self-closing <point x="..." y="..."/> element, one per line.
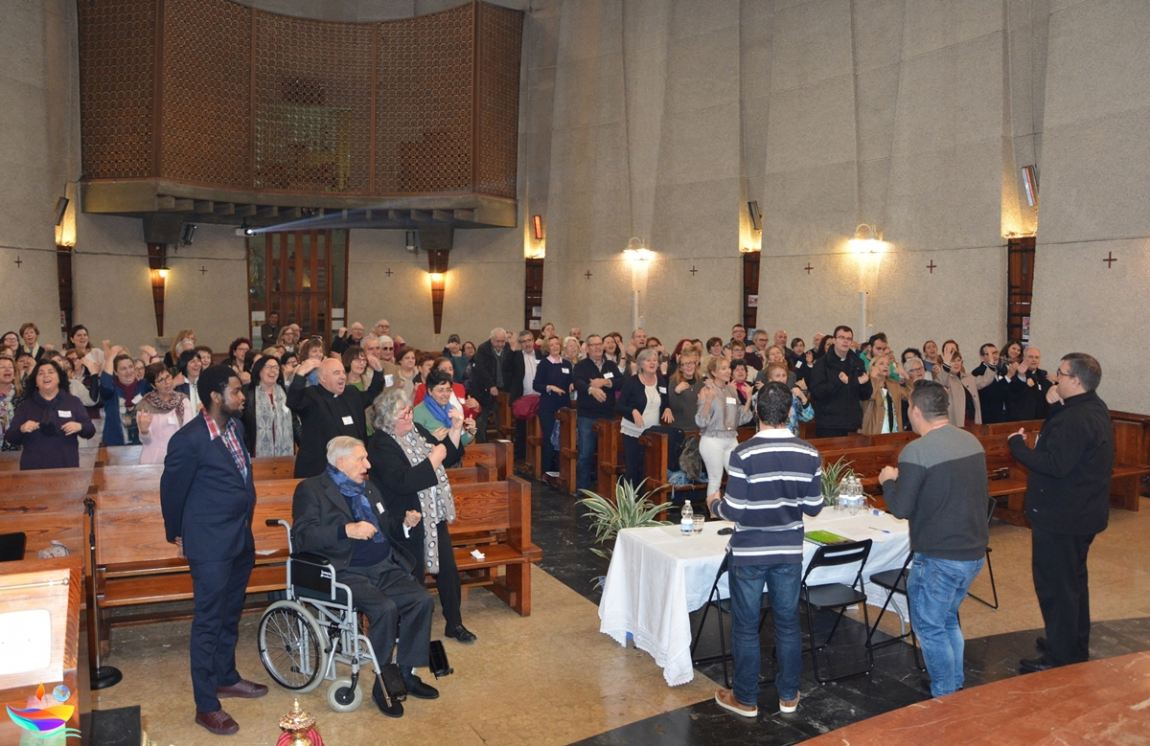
<point x="773" y="480"/>
<point x="940" y="486"/>
<point x="596" y="380"/>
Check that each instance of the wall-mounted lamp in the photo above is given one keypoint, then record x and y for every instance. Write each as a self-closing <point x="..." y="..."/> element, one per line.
<point x="755" y="215"/>
<point x="1030" y="184"/>
<point x="637" y="251"/>
<point x="163" y="272"/>
<point x="437" y="260"/>
<point x="867" y="240"/>
<point x="537" y="227"/>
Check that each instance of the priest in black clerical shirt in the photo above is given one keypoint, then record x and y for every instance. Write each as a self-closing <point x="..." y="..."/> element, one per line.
<point x="332" y="408"/>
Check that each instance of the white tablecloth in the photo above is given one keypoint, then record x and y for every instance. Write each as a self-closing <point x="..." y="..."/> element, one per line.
<point x="658" y="576"/>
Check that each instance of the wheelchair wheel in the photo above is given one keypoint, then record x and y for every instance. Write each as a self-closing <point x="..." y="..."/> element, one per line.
<point x="292" y="646"/>
<point x="343" y="697"/>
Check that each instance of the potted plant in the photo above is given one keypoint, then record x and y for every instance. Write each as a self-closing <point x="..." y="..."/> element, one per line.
<point x="832" y="477"/>
<point x="629" y="509"/>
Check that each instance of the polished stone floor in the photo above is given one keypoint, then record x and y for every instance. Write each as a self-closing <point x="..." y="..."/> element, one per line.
<point x="552" y="678"/>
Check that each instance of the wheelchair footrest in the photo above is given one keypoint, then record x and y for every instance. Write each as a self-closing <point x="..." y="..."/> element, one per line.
<point x="437" y="660"/>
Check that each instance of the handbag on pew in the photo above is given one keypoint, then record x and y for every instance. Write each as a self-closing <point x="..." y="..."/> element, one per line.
<point x="525" y="407"/>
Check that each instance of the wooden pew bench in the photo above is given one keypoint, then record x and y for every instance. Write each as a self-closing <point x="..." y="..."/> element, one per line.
<point x="136" y="566"/>
<point x="495" y="518"/>
<point x="46" y="505"/>
<point x="494" y="456"/>
<point x="610" y="464"/>
<point x="568" y="449"/>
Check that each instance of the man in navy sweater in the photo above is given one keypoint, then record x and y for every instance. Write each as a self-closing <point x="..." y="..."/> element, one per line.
<point x="773" y="480"/>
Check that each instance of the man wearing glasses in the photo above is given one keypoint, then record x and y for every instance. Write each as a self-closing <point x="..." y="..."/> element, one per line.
<point x="839" y="384"/>
<point x="1067" y="503"/>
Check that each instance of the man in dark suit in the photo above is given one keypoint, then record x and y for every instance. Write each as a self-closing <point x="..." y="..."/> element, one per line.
<point x="340" y="515"/>
<point x="490" y="374"/>
<point x="332" y="408"/>
<point x="207" y="497"/>
<point x="523" y="364"/>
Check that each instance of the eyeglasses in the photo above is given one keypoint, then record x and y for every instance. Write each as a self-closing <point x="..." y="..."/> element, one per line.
<point x="386" y="349"/>
<point x="1061" y="373"/>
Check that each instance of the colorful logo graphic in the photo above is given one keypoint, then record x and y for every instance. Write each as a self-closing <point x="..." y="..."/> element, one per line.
<point x="46" y="716"/>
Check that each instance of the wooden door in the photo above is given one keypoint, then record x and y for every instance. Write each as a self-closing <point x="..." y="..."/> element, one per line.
<point x="299" y="270"/>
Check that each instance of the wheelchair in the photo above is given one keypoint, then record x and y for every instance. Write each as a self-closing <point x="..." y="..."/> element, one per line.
<point x="304" y="635"/>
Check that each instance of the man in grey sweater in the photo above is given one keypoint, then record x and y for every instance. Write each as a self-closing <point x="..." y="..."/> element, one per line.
<point x="940" y="486"/>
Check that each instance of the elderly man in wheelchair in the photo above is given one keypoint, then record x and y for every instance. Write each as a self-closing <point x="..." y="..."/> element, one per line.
<point x="340" y="516"/>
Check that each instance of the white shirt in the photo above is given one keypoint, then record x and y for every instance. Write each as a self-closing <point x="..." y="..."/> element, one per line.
<point x="530" y="364"/>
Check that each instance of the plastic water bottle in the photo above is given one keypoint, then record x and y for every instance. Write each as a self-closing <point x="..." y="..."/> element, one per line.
<point x="687" y="519"/>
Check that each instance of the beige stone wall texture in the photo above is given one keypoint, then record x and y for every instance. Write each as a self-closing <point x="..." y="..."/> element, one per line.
<point x="660" y="119"/>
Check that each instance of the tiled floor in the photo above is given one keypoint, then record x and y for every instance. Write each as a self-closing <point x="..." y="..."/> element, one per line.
<point x="552" y="678"/>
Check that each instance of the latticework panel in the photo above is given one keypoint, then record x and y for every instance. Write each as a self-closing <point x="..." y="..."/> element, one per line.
<point x="117" y="55"/>
<point x="205" y="93"/>
<point x="424" y="115"/>
<point x="312" y="104"/>
<point x="500" y="34"/>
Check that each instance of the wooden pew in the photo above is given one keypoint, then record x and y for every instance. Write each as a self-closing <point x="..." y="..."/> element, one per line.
<point x="568" y="449"/>
<point x="505" y="425"/>
<point x="136" y="566"/>
<point x="118" y="455"/>
<point x="495" y="456"/>
<point x="609" y="456"/>
<point x="1006" y="478"/>
<point x="273" y="467"/>
<point x="534" y="450"/>
<point x="867" y="461"/>
<point x="47" y="505"/>
<point x="495" y="518"/>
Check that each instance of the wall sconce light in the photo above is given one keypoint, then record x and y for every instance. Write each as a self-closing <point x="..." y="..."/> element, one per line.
<point x="1030" y="184"/>
<point x="756" y="216"/>
<point x="163" y="272"/>
<point x="867" y="240"/>
<point x="636" y="251"/>
<point x="537" y="227"/>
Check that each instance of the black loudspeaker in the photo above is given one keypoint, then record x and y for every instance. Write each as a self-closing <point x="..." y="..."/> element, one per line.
<point x="436" y="238"/>
<point x="163" y="228"/>
<point x="756" y="216"/>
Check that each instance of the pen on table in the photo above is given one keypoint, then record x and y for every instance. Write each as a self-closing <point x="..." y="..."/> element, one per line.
<point x="876" y="528"/>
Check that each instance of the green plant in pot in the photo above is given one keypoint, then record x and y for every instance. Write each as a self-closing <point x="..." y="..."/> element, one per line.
<point x="629" y="509"/>
<point x="832" y="477"/>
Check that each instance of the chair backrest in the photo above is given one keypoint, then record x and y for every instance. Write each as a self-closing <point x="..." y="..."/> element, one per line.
<point x="833" y="555"/>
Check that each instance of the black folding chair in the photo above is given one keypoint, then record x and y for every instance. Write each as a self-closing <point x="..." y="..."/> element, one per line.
<point x="723" y="607"/>
<point x="836" y="596"/>
<point x="991" y="505"/>
<point x="894" y="581"/>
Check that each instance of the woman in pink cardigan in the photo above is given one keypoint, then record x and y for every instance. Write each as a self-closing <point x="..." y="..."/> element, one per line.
<point x="160" y="414"/>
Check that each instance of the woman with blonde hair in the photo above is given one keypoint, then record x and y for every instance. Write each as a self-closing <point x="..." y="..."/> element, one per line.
<point x="185" y="340"/>
<point x="718" y="417"/>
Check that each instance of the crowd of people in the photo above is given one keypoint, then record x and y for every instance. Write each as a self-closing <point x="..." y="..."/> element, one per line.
<point x="374" y="424"/>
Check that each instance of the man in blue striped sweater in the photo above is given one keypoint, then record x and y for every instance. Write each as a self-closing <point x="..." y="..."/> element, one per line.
<point x="773" y="481"/>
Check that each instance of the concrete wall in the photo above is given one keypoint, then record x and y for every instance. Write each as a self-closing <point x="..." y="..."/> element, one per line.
<point x="660" y="119"/>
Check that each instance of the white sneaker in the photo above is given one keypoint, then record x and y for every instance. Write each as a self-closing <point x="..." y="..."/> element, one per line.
<point x="789" y="705"/>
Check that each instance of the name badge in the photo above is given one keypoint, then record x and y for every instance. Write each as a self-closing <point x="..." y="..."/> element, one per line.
<point x="608" y="375"/>
<point x="138" y="398"/>
<point x="732" y="400"/>
<point x="172" y="419"/>
<point x="347" y="419"/>
<point x="389" y="380"/>
<point x="566" y="371"/>
<point x="662" y="389"/>
<point x="379" y="507"/>
<point x="64" y="413"/>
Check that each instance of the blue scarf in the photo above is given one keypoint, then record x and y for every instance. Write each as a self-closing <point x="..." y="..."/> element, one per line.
<point x="441" y="414"/>
<point x="356" y="495"/>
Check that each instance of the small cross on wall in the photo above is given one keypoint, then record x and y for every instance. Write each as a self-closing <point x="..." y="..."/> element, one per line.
<point x="389" y="273"/>
<point x="693" y="270"/>
<point x="203" y="270"/>
<point x="808" y="268"/>
<point x="932" y="266"/>
<point x="1110" y="259"/>
<point x="587" y="274"/>
<point x="18" y="261"/>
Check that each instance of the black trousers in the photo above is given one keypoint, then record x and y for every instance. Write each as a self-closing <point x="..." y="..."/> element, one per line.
<point x="831" y="432"/>
<point x="1058" y="562"/>
<point x="633" y="452"/>
<point x="218" y="588"/>
<point x="548" y="454"/>
<point x="447" y="582"/>
<point x="396" y="607"/>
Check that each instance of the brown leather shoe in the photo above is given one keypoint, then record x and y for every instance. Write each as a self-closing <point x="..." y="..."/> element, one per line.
<point x="218" y="722"/>
<point x="242" y="688"/>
